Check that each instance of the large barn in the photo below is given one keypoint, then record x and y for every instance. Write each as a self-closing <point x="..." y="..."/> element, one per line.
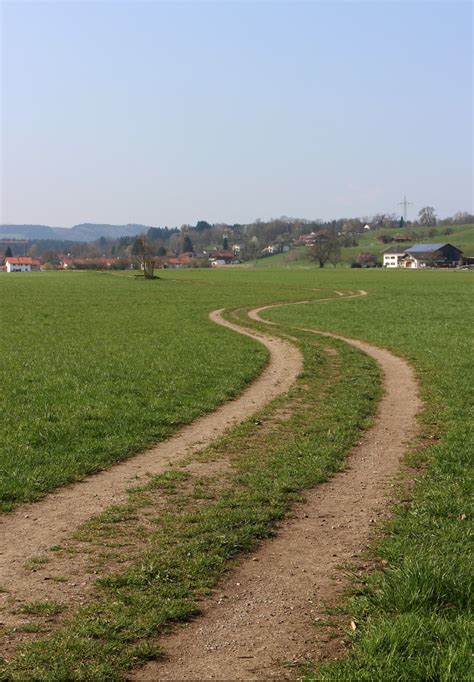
<point x="432" y="255"/>
<point x="422" y="256"/>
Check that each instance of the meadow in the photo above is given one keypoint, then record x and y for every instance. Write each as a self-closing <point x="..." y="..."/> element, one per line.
<point x="97" y="366"/>
<point x="413" y="615"/>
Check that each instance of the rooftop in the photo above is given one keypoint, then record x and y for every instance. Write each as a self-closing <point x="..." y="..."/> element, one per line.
<point x="395" y="249"/>
<point x="426" y="248"/>
<point x="221" y="254"/>
<point x="20" y="260"/>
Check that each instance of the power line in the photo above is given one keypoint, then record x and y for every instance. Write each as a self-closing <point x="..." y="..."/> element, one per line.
<point x="405" y="204"/>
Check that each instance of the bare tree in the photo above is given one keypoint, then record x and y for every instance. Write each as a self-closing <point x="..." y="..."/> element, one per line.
<point x="143" y="252"/>
<point x="252" y="248"/>
<point x="325" y="248"/>
<point x="462" y="218"/>
<point x="427" y="215"/>
<point x="335" y="255"/>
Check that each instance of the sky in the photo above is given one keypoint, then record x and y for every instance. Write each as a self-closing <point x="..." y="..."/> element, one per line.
<point x="165" y="113"/>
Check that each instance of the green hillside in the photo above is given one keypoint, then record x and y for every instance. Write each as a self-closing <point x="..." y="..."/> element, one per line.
<point x="461" y="236"/>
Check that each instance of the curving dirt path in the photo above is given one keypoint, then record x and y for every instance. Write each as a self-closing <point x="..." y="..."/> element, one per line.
<point x="255" y="313"/>
<point x="264" y="613"/>
<point x="33" y="528"/>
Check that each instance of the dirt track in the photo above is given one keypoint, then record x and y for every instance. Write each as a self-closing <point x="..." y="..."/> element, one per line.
<point x="264" y="612"/>
<point x="33" y="528"/>
<point x="263" y="615"/>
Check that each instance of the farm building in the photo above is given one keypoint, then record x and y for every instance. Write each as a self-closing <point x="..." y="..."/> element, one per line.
<point x="85" y="263"/>
<point x="183" y="261"/>
<point x="277" y="247"/>
<point x="307" y="239"/>
<point x="221" y="257"/>
<point x="21" y="264"/>
<point x="432" y="255"/>
<point x="422" y="256"/>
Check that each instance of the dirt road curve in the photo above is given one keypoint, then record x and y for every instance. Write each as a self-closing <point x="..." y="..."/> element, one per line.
<point x="263" y="614"/>
<point x="34" y="528"/>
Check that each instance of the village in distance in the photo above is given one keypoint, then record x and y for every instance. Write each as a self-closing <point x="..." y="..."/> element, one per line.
<point x="384" y="240"/>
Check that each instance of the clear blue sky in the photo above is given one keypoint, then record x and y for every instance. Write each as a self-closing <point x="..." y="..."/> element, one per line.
<point x="170" y="112"/>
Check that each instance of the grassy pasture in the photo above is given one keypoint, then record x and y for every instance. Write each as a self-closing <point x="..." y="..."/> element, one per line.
<point x="97" y="366"/>
<point x="413" y="617"/>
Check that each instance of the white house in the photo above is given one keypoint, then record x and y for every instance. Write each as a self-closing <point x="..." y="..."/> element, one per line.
<point x="393" y="257"/>
<point x="21" y="264"/>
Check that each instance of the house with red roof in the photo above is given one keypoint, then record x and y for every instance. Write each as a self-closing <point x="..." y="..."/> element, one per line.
<point x="21" y="264"/>
<point x="185" y="260"/>
<point x="219" y="257"/>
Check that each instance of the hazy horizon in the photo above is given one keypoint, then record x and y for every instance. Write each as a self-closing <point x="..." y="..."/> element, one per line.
<point x="164" y="113"/>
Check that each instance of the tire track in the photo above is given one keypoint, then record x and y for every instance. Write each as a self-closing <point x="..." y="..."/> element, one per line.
<point x="263" y="613"/>
<point x="31" y="529"/>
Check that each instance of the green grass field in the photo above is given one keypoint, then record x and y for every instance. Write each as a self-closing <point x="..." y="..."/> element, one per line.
<point x="97" y="366"/>
<point x="110" y="341"/>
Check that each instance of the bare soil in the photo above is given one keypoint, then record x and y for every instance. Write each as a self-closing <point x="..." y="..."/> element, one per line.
<point x="262" y="619"/>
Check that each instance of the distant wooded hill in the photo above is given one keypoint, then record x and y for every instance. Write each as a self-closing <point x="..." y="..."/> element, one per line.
<point x="85" y="232"/>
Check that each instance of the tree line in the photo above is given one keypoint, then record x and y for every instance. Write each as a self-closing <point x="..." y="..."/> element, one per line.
<point x="248" y="239"/>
